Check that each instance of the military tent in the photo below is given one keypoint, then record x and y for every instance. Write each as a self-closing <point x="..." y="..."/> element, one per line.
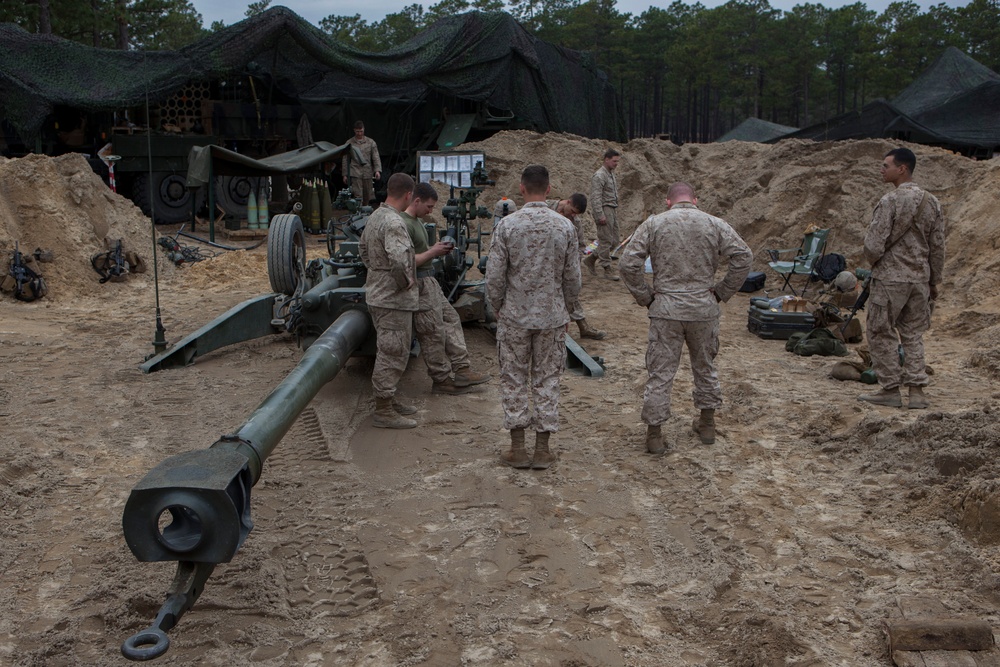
<point x="755" y="129"/>
<point x="954" y="104"/>
<point x="482" y="61"/>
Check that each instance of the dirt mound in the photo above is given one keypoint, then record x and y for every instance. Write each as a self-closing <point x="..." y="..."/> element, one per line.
<point x="946" y="463"/>
<point x="236" y="269"/>
<point x="61" y="204"/>
<point x="771" y="193"/>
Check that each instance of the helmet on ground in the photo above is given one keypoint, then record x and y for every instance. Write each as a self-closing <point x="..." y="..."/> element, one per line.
<point x="845" y="281"/>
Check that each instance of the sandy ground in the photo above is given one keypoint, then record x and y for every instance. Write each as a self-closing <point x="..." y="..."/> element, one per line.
<point x="788" y="542"/>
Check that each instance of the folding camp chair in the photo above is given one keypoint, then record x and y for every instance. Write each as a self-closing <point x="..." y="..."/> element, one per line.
<point x="802" y="263"/>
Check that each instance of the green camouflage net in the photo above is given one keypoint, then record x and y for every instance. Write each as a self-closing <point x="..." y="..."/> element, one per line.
<point x="482" y="57"/>
<point x="953" y="103"/>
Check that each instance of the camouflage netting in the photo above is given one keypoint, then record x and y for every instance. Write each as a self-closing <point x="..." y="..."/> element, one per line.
<point x="755" y="129"/>
<point x="954" y="103"/>
<point x="483" y="57"/>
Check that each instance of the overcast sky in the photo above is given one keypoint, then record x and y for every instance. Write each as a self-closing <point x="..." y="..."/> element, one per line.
<point x="231" y="11"/>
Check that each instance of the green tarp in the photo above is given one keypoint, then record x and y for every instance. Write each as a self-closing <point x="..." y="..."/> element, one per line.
<point x="207" y="161"/>
<point x="477" y="56"/>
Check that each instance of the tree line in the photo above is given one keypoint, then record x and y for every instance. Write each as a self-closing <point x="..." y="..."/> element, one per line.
<point x="686" y="71"/>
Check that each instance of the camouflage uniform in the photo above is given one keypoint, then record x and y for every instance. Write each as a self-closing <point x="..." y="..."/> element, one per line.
<point x="387" y="251"/>
<point x="899" y="301"/>
<point x="532" y="276"/>
<point x="685" y="246"/>
<point x="575" y="308"/>
<point x="361" y="173"/>
<point x="432" y="321"/>
<point x="604" y="201"/>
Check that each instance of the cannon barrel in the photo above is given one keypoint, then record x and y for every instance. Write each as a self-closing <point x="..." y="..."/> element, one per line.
<point x="264" y="429"/>
<point x="195" y="507"/>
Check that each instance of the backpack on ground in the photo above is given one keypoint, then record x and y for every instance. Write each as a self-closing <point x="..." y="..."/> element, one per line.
<point x="23" y="279"/>
<point x="828" y="267"/>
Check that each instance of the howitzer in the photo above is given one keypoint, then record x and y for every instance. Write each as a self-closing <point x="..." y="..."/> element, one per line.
<point x="194" y="508"/>
<point x="859" y="303"/>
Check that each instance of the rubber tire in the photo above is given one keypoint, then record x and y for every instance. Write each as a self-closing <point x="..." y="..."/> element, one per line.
<point x="232" y="193"/>
<point x="172" y="199"/>
<point x="286" y="252"/>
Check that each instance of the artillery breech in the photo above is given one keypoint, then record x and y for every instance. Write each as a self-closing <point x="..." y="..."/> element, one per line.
<point x="205" y="494"/>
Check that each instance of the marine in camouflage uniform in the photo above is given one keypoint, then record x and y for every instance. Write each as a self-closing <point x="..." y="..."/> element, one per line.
<point x="604" y="208"/>
<point x="905" y="246"/>
<point x="363" y="164"/>
<point x="387" y="251"/>
<point x="437" y="325"/>
<point x="685" y="247"/>
<point x="532" y="278"/>
<point x="572" y="209"/>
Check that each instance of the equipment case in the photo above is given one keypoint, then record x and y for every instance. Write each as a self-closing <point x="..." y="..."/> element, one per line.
<point x="754" y="281"/>
<point x="778" y="325"/>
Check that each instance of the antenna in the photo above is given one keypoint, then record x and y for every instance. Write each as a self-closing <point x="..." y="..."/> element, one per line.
<point x="159" y="338"/>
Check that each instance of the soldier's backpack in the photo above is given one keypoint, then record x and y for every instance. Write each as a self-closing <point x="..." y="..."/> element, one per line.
<point x="828" y="267"/>
<point x="821" y="342"/>
<point x="115" y="264"/>
<point x="23" y="279"/>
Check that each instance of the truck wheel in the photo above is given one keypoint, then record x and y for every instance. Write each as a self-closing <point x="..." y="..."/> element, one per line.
<point x="233" y="192"/>
<point x="286" y="253"/>
<point x="168" y="200"/>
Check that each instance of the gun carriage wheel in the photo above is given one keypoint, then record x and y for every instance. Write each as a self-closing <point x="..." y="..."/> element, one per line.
<point x="286" y="253"/>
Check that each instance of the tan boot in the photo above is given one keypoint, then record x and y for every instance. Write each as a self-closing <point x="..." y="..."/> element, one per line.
<point x="610" y="273"/>
<point x="654" y="440"/>
<point x="403" y="408"/>
<point x="888" y="397"/>
<point x="586" y="331"/>
<point x="543" y="457"/>
<point x="387" y="417"/>
<point x="590" y="261"/>
<point x="517" y="457"/>
<point x="917" y="399"/>
<point x="466" y="377"/>
<point x="449" y="387"/>
<point x="704" y="427"/>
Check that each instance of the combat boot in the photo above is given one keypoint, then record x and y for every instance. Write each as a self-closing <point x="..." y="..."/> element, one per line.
<point x="517" y="457"/>
<point x="543" y="457"/>
<point x="888" y="397"/>
<point x="387" y="417"/>
<point x="704" y="426"/>
<point x="610" y="274"/>
<point x="449" y="387"/>
<point x="587" y="331"/>
<point x="654" y="440"/>
<point x="590" y="261"/>
<point x="403" y="408"/>
<point x="466" y="377"/>
<point x="917" y="399"/>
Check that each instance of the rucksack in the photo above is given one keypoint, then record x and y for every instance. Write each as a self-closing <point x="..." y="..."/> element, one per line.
<point x="22" y="279"/>
<point x="828" y="267"/>
<point x="821" y="342"/>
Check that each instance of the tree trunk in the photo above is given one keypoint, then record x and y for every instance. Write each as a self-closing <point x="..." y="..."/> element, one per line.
<point x="121" y="18"/>
<point x="44" y="17"/>
<point x="95" y="31"/>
